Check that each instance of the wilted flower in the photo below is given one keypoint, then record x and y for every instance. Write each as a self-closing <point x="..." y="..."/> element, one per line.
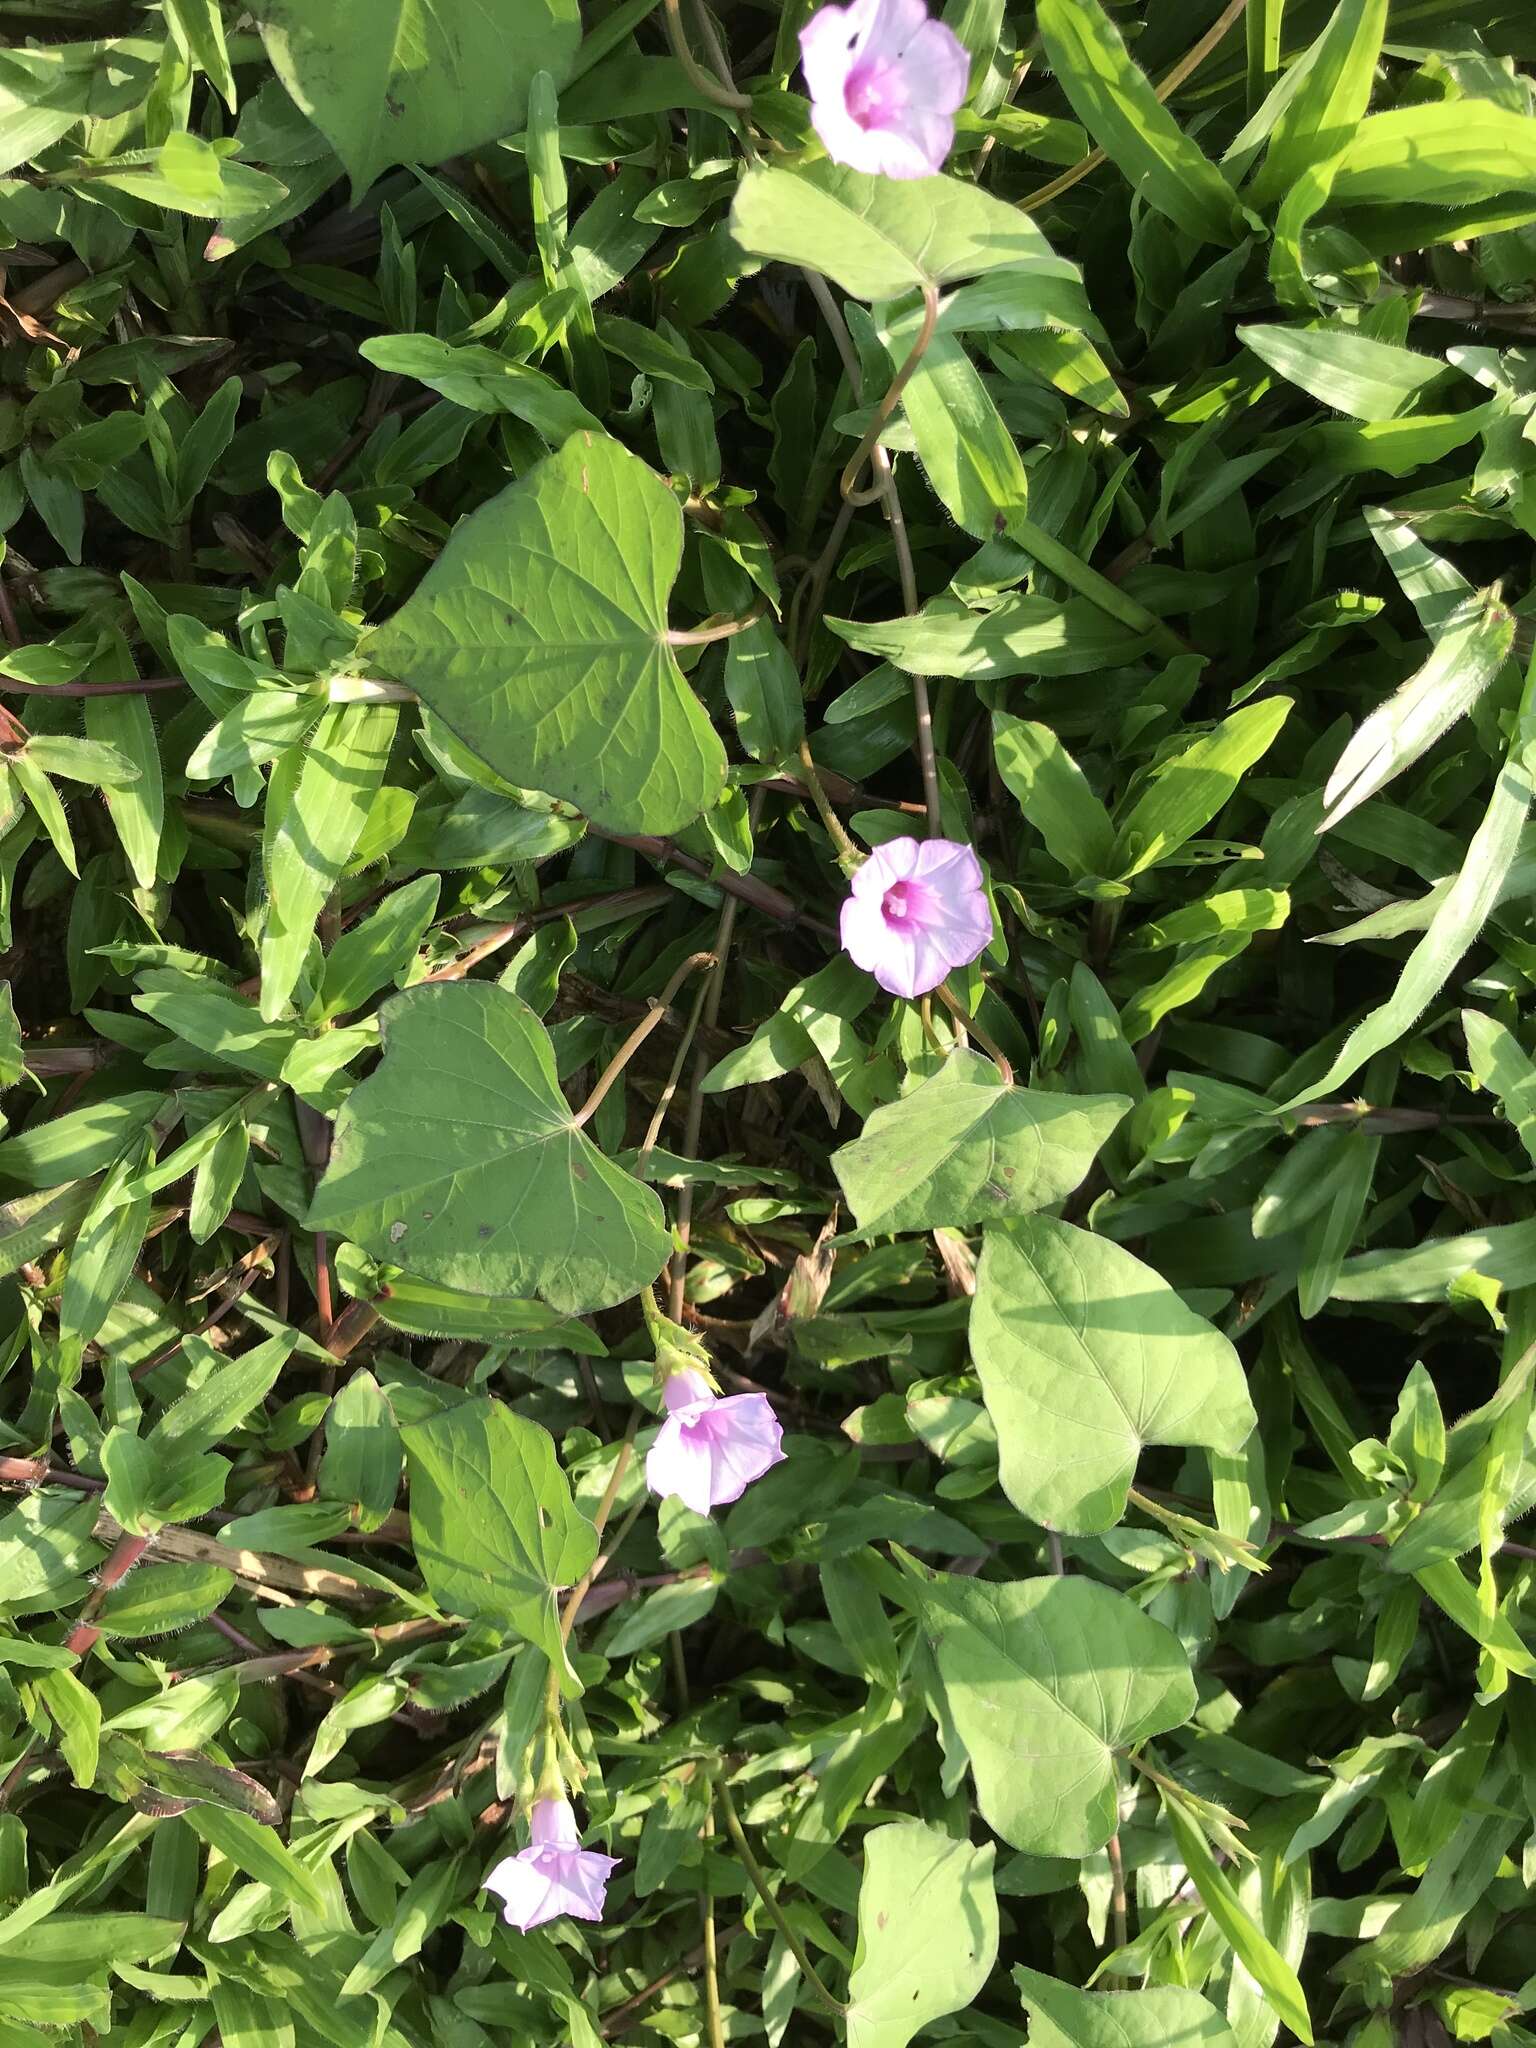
<point x="916" y="910"/>
<point x="886" y="84"/>
<point x="708" y="1451"/>
<point x="553" y="1875"/>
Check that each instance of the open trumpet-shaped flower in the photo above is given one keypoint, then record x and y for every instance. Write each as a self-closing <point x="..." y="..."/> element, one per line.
<point x="554" y="1875"/>
<point x="886" y="84"/>
<point x="916" y="910"/>
<point x="708" y="1451"/>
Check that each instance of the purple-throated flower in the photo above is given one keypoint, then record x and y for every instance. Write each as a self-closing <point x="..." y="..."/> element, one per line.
<point x="916" y="909"/>
<point x="708" y="1451"/>
<point x="553" y="1875"/>
<point x="886" y="84"/>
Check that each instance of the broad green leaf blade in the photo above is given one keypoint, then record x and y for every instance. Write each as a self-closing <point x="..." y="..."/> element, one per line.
<point x="414" y="81"/>
<point x="1327" y="91"/>
<point x="1470" y="652"/>
<point x="1061" y="2016"/>
<point x="1457" y="920"/>
<point x="1116" y="104"/>
<point x="1054" y="795"/>
<point x="1263" y="1961"/>
<point x="539" y="637"/>
<point x="1502" y="1065"/>
<point x="259" y="1851"/>
<point x="1020" y="636"/>
<point x="1188" y="789"/>
<point x="927" y="1932"/>
<point x="1419" y="162"/>
<point x="1045" y="1679"/>
<point x="457" y="1158"/>
<point x="1369" y="380"/>
<point x="204" y="1417"/>
<point x="964" y="1149"/>
<point x="1085" y="1354"/>
<point x="492" y="1521"/>
<point x="879" y="237"/>
<point x="317" y="806"/>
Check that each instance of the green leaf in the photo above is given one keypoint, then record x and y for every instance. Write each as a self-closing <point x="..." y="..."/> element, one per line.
<point x="46" y="1548"/>
<point x="1431" y="173"/>
<point x="1501" y="1064"/>
<point x="208" y="1414"/>
<point x="964" y="1149"/>
<point x="361" y="1465"/>
<point x="1263" y="1961"/>
<point x="1085" y="1355"/>
<point x="1044" y="1680"/>
<point x="1054" y="795"/>
<point x="1325" y="96"/>
<point x="927" y="1932"/>
<point x="1116" y="104"/>
<point x="76" y="1716"/>
<point x="764" y="693"/>
<point x="136" y="807"/>
<point x="1457" y="920"/>
<point x="161" y="1599"/>
<point x="1189" y="788"/>
<point x="544" y="623"/>
<point x="1370" y="380"/>
<point x="78" y="1143"/>
<point x="458" y="1158"/>
<point x="259" y="1851"/>
<point x="1473" y="647"/>
<point x="495" y="1531"/>
<point x="1020" y="636"/>
<point x="879" y="237"/>
<point x="414" y="81"/>
<point x="1060" y="2016"/>
<point x="380" y="947"/>
<point x="482" y="381"/>
<point x="103" y="1255"/>
<point x="317" y="805"/>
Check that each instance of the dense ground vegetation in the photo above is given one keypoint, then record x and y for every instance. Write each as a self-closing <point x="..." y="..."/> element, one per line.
<point x="496" y="527"/>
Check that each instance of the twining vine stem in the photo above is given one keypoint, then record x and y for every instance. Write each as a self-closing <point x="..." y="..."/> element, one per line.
<point x="775" y="1911"/>
<point x="890" y="498"/>
<point x="642" y="1031"/>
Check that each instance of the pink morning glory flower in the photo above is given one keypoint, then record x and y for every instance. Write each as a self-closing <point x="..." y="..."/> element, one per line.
<point x="553" y="1875"/>
<point x="916" y="910"/>
<point x="886" y="84"/>
<point x="709" y="1451"/>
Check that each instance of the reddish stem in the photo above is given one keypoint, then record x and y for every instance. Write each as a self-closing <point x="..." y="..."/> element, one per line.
<point x="117" y="1567"/>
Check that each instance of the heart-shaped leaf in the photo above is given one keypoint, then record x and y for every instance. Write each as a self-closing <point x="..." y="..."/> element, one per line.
<point x="414" y="81"/>
<point x="877" y="238"/>
<point x="1045" y="1679"/>
<point x="540" y="637"/>
<point x="927" y="1932"/>
<point x="1061" y="2016"/>
<point x="964" y="1149"/>
<point x="494" y="1528"/>
<point x="458" y="1159"/>
<point x="1085" y="1354"/>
